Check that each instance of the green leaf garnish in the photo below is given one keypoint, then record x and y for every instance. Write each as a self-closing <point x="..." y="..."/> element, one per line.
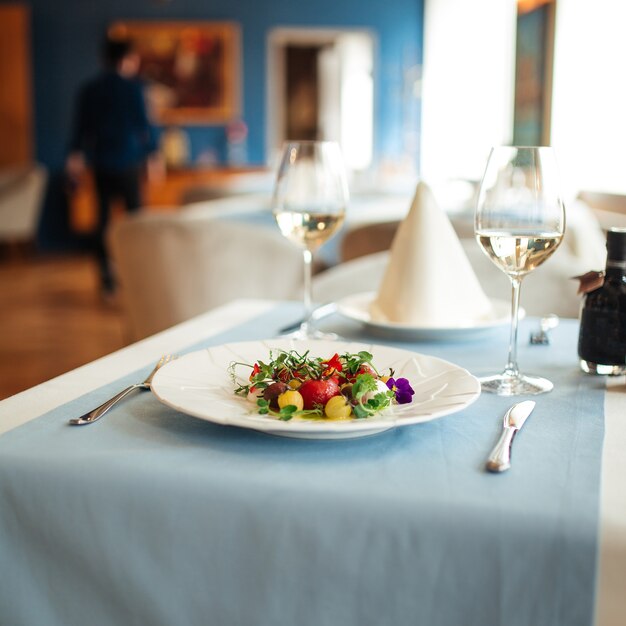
<point x="363" y="384"/>
<point x="287" y="412"/>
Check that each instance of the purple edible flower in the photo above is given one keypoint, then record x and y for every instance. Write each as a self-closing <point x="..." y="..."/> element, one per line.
<point x="402" y="388"/>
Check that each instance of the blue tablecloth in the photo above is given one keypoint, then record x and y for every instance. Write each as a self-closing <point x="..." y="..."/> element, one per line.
<point x="153" y="517"/>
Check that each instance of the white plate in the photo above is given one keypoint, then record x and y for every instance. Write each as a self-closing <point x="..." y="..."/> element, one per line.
<point x="199" y="384"/>
<point x="356" y="307"/>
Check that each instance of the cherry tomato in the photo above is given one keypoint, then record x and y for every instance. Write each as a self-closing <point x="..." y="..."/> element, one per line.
<point x="318" y="392"/>
<point x="338" y="408"/>
<point x="291" y="397"/>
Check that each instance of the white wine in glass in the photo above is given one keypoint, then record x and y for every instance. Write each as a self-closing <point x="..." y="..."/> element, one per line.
<point x="309" y="204"/>
<point x="519" y="223"/>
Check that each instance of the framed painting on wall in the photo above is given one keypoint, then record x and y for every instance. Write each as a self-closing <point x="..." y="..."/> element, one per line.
<point x="191" y="69"/>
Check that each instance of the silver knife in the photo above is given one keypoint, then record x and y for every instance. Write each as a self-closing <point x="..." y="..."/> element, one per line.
<point x="500" y="458"/>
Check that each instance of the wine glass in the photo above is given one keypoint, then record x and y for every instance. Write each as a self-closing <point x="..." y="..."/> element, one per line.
<point x="309" y="204"/>
<point x="519" y="223"/>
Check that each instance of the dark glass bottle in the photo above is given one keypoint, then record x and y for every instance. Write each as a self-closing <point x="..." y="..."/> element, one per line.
<point x="602" y="338"/>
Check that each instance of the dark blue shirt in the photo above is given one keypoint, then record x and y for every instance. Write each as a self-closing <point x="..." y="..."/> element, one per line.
<point x="111" y="126"/>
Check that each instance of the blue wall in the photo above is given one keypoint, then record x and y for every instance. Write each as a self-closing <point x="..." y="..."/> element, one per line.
<point x="66" y="36"/>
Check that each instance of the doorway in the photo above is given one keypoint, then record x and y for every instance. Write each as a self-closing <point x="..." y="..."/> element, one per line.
<point x="321" y="86"/>
<point x="302" y="93"/>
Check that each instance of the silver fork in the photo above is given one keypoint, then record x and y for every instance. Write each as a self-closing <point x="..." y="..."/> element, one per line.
<point x="98" y="412"/>
<point x="545" y="326"/>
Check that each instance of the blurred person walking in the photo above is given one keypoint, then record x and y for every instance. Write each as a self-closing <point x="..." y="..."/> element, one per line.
<point x="112" y="135"/>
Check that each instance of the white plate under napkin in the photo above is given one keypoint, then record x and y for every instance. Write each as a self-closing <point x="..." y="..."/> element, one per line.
<point x="357" y="307"/>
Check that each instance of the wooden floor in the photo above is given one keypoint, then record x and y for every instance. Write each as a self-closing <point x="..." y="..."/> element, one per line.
<point x="52" y="319"/>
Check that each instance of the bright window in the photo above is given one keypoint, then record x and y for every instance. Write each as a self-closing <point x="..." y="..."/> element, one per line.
<point x="468" y="89"/>
<point x="589" y="95"/>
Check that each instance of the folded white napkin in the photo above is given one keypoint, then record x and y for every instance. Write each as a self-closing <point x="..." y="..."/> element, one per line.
<point x="429" y="281"/>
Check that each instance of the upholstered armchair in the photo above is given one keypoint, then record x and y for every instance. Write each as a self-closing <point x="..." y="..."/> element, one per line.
<point x="172" y="267"/>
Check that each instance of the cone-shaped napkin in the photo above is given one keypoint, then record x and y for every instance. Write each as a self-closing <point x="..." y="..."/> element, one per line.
<point x="429" y="281"/>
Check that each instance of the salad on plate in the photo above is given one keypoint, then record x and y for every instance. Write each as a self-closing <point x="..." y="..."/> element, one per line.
<point x="293" y="385"/>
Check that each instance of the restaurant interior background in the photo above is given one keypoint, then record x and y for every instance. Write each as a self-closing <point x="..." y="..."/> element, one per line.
<point x="425" y="88"/>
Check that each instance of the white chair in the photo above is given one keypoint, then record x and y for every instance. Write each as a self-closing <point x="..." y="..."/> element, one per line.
<point x="172" y="267"/>
<point x="21" y="195"/>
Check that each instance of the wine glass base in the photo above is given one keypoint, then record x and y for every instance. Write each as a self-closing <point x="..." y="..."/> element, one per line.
<point x="506" y="385"/>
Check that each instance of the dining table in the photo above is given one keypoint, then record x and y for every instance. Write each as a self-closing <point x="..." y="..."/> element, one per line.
<point x="156" y="516"/>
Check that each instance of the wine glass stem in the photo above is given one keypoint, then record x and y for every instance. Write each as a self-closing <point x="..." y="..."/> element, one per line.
<point x="511" y="367"/>
<point x="308" y="296"/>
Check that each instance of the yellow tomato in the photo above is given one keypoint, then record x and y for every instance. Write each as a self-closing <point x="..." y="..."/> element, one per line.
<point x="337" y="408"/>
<point x="291" y="397"/>
<point x="294" y="383"/>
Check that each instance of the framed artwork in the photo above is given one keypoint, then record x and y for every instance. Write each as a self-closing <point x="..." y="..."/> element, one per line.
<point x="533" y="72"/>
<point x="191" y="69"/>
